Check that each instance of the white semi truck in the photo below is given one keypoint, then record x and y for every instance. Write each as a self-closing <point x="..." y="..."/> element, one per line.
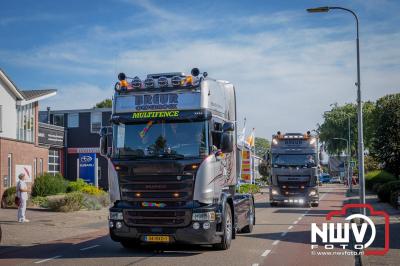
<point x="174" y="161"/>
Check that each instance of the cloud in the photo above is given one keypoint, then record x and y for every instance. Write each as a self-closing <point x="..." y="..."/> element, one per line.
<point x="285" y="77"/>
<point x="76" y="96"/>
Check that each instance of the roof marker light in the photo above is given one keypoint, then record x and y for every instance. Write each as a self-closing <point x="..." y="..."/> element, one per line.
<point x="149" y="83"/>
<point x="163" y="82"/>
<point x="136" y="83"/>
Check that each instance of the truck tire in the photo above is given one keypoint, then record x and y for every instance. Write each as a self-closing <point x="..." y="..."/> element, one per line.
<point x="227" y="225"/>
<point x="314" y="204"/>
<point x="249" y="228"/>
<point x="132" y="243"/>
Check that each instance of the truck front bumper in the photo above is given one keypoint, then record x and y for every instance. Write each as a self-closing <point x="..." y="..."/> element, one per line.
<point x="187" y="235"/>
<point x="299" y="199"/>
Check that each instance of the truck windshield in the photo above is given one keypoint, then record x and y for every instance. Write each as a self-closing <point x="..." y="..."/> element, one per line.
<point x="161" y="139"/>
<point x="294" y="159"/>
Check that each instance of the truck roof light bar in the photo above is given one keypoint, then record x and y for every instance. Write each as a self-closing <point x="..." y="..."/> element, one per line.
<point x="167" y="75"/>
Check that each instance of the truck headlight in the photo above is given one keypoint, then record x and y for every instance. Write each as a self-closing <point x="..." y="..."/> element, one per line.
<point x="312" y="193"/>
<point x="203" y="216"/>
<point x="274" y="192"/>
<point x="116" y="216"/>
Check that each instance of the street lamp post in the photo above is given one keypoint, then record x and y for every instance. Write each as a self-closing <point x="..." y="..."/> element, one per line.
<point x="348" y="162"/>
<point x="359" y="104"/>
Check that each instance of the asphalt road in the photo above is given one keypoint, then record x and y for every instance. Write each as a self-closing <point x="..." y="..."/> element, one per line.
<point x="281" y="237"/>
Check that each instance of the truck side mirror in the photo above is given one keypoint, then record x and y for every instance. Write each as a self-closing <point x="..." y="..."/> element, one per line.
<point x="228" y="127"/>
<point x="226" y="142"/>
<point x="103" y="132"/>
<point x="103" y="142"/>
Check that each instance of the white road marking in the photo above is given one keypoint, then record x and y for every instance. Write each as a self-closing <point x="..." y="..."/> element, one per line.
<point x="275" y="242"/>
<point x="295" y="222"/>
<point x="284" y="233"/>
<point x="266" y="252"/>
<point x="55" y="257"/>
<point x="299" y="218"/>
<point x="254" y="264"/>
<point x="290" y="227"/>
<point x="95" y="246"/>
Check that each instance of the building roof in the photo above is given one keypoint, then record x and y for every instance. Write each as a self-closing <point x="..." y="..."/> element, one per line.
<point x="32" y="94"/>
<point x="25" y="96"/>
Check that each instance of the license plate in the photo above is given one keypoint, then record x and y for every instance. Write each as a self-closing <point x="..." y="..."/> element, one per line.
<point x="156" y="238"/>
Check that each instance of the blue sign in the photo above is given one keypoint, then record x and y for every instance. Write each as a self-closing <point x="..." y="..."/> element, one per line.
<point x="87" y="169"/>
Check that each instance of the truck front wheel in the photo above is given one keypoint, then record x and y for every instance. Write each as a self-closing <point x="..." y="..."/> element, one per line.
<point x="227" y="225"/>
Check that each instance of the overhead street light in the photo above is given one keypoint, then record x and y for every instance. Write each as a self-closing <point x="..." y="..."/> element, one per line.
<point x="359" y="103"/>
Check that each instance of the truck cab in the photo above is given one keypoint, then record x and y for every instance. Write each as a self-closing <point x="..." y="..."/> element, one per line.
<point x="173" y="161"/>
<point x="294" y="169"/>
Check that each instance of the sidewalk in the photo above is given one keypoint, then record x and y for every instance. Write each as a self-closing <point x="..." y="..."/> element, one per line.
<point x="46" y="226"/>
<point x="393" y="256"/>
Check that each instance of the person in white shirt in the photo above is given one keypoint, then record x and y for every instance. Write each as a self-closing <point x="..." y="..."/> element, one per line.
<point x="22" y="193"/>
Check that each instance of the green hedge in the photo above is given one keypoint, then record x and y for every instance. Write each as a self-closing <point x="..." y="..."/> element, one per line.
<point x="48" y="184"/>
<point x="394" y="198"/>
<point x="248" y="188"/>
<point x="387" y="189"/>
<point x="378" y="177"/>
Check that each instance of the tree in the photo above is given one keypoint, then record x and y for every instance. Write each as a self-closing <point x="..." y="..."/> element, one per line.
<point x="386" y="141"/>
<point x="262" y="146"/>
<point x="107" y="103"/>
<point x="335" y="125"/>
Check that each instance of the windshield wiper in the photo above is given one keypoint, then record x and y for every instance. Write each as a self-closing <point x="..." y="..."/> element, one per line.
<point x="171" y="155"/>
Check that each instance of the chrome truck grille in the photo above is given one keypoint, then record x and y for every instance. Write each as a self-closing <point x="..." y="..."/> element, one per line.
<point x="158" y="200"/>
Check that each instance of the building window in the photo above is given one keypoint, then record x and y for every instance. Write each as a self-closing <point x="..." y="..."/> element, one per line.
<point x="35" y="167"/>
<point x="95" y="122"/>
<point x="41" y="166"/>
<point x="7" y="181"/>
<point x="25" y="122"/>
<point x="58" y="120"/>
<point x="54" y="162"/>
<point x="73" y="120"/>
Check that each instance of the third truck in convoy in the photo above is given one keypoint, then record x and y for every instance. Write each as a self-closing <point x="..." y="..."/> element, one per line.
<point x="294" y="161"/>
<point x="174" y="161"/>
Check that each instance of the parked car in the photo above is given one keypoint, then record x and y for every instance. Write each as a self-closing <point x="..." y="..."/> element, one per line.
<point x="324" y="178"/>
<point x="335" y="179"/>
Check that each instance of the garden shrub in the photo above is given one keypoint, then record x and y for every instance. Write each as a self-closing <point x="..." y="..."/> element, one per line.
<point x="84" y="187"/>
<point x="40" y="201"/>
<point x="48" y="184"/>
<point x="378" y="176"/>
<point x="376" y="187"/>
<point x="77" y="185"/>
<point x="66" y="203"/>
<point x="249" y="188"/>
<point x="386" y="190"/>
<point x="8" y="197"/>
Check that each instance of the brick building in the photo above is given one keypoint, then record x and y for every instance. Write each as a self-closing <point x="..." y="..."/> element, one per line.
<point x="20" y="148"/>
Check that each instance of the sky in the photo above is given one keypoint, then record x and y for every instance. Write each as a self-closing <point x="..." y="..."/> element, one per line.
<point x="288" y="66"/>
